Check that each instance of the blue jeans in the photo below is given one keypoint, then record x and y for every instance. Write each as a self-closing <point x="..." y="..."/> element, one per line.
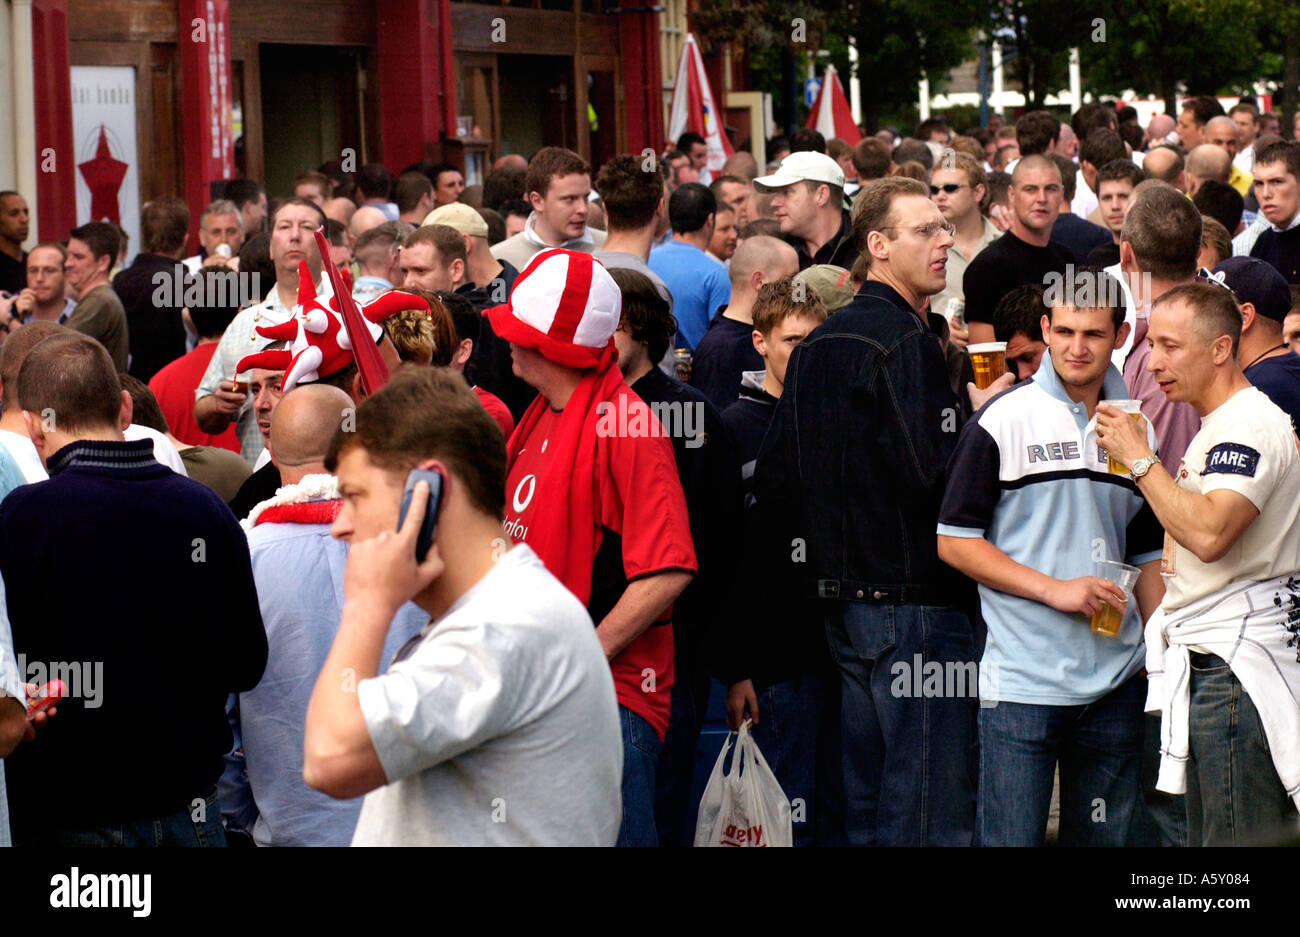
<point x="675" y="814"/>
<point x="1099" y="749"/>
<point x="191" y="825"/>
<point x="789" y="717"/>
<point x="907" y="758"/>
<point x="1161" y="819"/>
<point x="1234" y="797"/>
<point x="640" y="754"/>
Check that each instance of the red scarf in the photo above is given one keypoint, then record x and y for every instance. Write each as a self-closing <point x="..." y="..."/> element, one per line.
<point x="564" y="523"/>
<point x="306" y="512"/>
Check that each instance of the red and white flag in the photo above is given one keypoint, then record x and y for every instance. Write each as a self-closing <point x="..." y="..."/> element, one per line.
<point x="831" y="115"/>
<point x="693" y="107"/>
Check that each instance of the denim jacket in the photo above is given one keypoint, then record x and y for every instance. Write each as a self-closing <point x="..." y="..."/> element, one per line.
<point x="851" y="473"/>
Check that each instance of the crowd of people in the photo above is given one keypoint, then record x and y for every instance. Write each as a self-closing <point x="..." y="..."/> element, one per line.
<point x="443" y="535"/>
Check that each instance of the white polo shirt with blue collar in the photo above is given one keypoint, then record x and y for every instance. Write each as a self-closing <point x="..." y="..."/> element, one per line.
<point x="1027" y="475"/>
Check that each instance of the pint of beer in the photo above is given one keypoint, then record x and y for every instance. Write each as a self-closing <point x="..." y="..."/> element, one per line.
<point x="989" y="361"/>
<point x="1134" y="409"/>
<point x="1107" y="620"/>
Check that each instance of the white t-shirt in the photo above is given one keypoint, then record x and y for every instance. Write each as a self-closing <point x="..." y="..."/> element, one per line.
<point x="1246" y="445"/>
<point x="163" y="450"/>
<point x="24" y="452"/>
<point x="497" y="724"/>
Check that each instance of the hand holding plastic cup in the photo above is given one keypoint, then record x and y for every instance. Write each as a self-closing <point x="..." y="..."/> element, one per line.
<point x="1107" y="620"/>
<point x="1134" y="409"/>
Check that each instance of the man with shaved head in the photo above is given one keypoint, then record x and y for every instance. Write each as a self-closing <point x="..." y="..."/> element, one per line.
<point x="727" y="349"/>
<point x="1207" y="162"/>
<point x="365" y="218"/>
<point x="298" y="568"/>
<point x="511" y="161"/>
<point x="1223" y="132"/>
<point x="1158" y="130"/>
<point x="1166" y="164"/>
<point x="1025" y="252"/>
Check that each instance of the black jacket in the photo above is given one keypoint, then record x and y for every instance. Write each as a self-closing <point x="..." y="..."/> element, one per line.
<point x="841" y="250"/>
<point x="853" y="467"/>
<point x="710" y="477"/>
<point x="155" y="329"/>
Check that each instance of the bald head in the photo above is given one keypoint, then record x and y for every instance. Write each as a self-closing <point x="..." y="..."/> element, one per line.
<point x="771" y="258"/>
<point x="1164" y="163"/>
<point x="511" y="161"/>
<point x="1208" y="161"/>
<point x="741" y="164"/>
<point x="302" y="427"/>
<point x="341" y="209"/>
<point x="1161" y="126"/>
<point x="1222" y="132"/>
<point x="365" y="218"/>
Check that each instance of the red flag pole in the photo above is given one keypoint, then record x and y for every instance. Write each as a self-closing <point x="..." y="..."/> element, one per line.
<point x="370" y="363"/>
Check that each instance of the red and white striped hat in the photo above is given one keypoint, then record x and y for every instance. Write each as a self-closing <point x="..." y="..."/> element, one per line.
<point x="565" y="305"/>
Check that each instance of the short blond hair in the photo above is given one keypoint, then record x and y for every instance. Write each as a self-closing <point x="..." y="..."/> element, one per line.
<point x="781" y="299"/>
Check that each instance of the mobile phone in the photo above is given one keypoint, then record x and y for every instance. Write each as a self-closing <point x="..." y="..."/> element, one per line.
<point x="46" y="697"/>
<point x="425" y="538"/>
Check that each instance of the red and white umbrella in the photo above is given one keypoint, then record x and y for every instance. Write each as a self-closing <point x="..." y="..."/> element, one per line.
<point x="693" y="107"/>
<point x="831" y="115"/>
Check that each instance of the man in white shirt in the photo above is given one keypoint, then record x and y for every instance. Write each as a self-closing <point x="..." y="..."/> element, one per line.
<point x="218" y="401"/>
<point x="557" y="186"/>
<point x="219" y="224"/>
<point x="1221" y="652"/>
<point x="1246" y="117"/>
<point x="13" y="428"/>
<point x="497" y="725"/>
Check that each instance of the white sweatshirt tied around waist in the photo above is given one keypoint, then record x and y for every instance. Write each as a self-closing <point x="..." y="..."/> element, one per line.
<point x="1255" y="628"/>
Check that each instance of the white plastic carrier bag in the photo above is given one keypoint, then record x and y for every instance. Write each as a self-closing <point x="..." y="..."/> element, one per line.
<point x="744" y="806"/>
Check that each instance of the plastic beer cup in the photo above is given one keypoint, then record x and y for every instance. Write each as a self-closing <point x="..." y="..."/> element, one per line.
<point x="1134" y="409"/>
<point x="989" y="361"/>
<point x="1107" y="619"/>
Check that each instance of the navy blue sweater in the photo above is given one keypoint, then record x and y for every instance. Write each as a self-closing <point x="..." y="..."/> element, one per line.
<point x="142" y="579"/>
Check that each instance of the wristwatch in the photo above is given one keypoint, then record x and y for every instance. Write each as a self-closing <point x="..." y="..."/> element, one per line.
<point x="1142" y="466"/>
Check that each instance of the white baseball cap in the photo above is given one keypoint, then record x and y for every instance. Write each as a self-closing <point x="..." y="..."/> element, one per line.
<point x="804" y="166"/>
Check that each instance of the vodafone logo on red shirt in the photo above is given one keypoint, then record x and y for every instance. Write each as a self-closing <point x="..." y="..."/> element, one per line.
<point x="523" y="498"/>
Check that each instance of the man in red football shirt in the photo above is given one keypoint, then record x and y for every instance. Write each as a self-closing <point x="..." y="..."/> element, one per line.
<point x="175" y="383"/>
<point x="602" y="507"/>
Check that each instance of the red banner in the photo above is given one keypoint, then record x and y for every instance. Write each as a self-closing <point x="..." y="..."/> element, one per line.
<point x="203" y="30"/>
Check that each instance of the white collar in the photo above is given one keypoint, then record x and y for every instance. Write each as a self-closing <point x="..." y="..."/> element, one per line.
<point x="312" y="488"/>
<point x="535" y="238"/>
<point x="1294" y="223"/>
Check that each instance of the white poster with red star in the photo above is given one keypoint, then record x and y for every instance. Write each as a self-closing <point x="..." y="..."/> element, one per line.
<point x="106" y="161"/>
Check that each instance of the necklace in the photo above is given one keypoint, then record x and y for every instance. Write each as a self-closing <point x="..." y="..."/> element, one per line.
<point x="1281" y="347"/>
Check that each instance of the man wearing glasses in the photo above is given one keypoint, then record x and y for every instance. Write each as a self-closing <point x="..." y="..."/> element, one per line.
<point x="851" y="475"/>
<point x="958" y="187"/>
<point x="1024" y="254"/>
<point x="808" y="199"/>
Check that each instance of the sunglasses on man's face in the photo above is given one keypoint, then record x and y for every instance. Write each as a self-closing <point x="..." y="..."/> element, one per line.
<point x="949" y="187"/>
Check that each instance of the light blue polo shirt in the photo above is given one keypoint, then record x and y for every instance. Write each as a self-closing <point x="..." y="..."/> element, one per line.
<point x="1027" y="475"/>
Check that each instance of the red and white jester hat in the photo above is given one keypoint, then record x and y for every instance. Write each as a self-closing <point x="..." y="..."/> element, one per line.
<point x="566" y="306"/>
<point x="319" y="344"/>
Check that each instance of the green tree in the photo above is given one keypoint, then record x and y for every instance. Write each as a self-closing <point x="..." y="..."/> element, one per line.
<point x="1173" y="47"/>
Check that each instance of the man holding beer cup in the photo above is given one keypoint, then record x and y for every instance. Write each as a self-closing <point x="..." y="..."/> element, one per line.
<point x="1031" y="510"/>
<point x="1221" y="650"/>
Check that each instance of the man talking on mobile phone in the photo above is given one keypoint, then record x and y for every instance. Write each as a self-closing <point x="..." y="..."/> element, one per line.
<point x="497" y="724"/>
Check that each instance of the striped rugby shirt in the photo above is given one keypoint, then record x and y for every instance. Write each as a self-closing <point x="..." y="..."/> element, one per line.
<point x="1027" y="474"/>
